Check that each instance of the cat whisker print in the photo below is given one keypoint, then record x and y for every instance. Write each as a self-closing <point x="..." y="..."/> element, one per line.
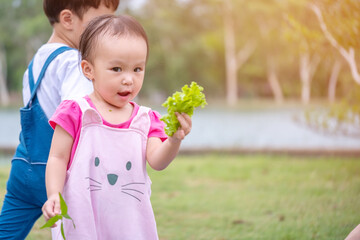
<point x="131" y="191"/>
<point x="133" y="184"/>
<point x="94" y="185"/>
<point x="93" y="180"/>
<point x="94" y="188"/>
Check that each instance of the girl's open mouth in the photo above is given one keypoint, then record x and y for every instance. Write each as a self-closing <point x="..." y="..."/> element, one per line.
<point x="124" y="94"/>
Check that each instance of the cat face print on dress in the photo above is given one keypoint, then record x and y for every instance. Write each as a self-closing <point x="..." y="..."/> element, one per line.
<point x="114" y="181"/>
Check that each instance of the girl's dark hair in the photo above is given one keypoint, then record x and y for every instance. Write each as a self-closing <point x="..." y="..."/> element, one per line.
<point x="112" y="26"/>
<point x="52" y="8"/>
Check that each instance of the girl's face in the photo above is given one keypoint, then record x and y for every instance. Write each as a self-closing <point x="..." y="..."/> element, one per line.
<point x="117" y="69"/>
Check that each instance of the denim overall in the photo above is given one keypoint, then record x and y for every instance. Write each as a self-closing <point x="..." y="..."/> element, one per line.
<point x="26" y="192"/>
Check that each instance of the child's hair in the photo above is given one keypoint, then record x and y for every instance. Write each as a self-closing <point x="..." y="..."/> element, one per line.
<point x="52" y="8"/>
<point x="109" y="25"/>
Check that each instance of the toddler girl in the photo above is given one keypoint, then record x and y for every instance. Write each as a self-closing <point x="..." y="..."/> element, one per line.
<point x="101" y="142"/>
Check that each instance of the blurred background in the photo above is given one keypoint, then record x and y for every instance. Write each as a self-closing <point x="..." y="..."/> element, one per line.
<point x="279" y="75"/>
<point x="275" y="153"/>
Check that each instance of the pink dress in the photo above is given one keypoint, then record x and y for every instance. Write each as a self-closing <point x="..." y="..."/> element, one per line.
<point x="107" y="188"/>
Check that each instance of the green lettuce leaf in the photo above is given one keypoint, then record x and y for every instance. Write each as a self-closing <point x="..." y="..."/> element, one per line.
<point x="182" y="102"/>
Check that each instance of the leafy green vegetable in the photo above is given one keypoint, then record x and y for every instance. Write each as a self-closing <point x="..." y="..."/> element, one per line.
<point x="63" y="214"/>
<point x="182" y="102"/>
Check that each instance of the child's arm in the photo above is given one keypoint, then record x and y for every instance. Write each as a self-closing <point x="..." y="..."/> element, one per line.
<point x="160" y="154"/>
<point x="354" y="234"/>
<point x="56" y="170"/>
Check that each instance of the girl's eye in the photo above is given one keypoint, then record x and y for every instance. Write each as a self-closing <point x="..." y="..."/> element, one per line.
<point x="116" y="69"/>
<point x="137" y="69"/>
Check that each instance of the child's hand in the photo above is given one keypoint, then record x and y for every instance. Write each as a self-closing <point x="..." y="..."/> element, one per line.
<point x="184" y="129"/>
<point x="51" y="207"/>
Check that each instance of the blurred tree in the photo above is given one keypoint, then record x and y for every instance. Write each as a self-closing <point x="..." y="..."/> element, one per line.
<point x="335" y="72"/>
<point x="234" y="58"/>
<point x="180" y="34"/>
<point x="310" y="40"/>
<point x="25" y="29"/>
<point x="341" y="28"/>
<point x="4" y="94"/>
<point x="340" y="24"/>
<point x="269" y="20"/>
<point x="234" y="48"/>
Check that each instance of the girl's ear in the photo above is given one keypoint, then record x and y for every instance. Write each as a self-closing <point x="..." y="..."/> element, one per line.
<point x="66" y="18"/>
<point x="88" y="69"/>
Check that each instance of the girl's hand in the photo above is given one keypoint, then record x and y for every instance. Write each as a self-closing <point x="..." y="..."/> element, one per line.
<point x="184" y="129"/>
<point x="51" y="207"/>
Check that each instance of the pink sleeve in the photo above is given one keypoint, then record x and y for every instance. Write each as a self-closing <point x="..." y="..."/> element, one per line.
<point x="157" y="126"/>
<point x="68" y="116"/>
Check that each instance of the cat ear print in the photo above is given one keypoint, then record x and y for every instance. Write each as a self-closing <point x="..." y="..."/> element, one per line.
<point x="90" y="116"/>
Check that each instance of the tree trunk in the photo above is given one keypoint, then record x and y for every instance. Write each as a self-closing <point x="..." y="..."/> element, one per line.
<point x="333" y="80"/>
<point x="4" y="94"/>
<point x="274" y="81"/>
<point x="307" y="70"/>
<point x="233" y="59"/>
<point x="245" y="53"/>
<point x="230" y="55"/>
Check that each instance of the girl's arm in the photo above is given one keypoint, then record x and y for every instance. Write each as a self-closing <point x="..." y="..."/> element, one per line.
<point x="160" y="154"/>
<point x="56" y="170"/>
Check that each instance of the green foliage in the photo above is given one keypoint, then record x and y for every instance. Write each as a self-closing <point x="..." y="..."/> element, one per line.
<point x="343" y="20"/>
<point x="183" y="44"/>
<point x="300" y="31"/>
<point x="182" y="102"/>
<point x="61" y="216"/>
<point x="303" y="30"/>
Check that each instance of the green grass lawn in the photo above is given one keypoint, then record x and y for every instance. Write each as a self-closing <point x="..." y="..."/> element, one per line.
<point x="222" y="197"/>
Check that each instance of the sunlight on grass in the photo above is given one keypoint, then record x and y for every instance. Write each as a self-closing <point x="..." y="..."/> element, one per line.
<point x="250" y="197"/>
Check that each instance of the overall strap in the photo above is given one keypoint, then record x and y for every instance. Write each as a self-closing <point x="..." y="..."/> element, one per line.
<point x="33" y="86"/>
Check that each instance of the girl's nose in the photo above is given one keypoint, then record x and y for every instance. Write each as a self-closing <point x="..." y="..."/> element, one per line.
<point x="127" y="80"/>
